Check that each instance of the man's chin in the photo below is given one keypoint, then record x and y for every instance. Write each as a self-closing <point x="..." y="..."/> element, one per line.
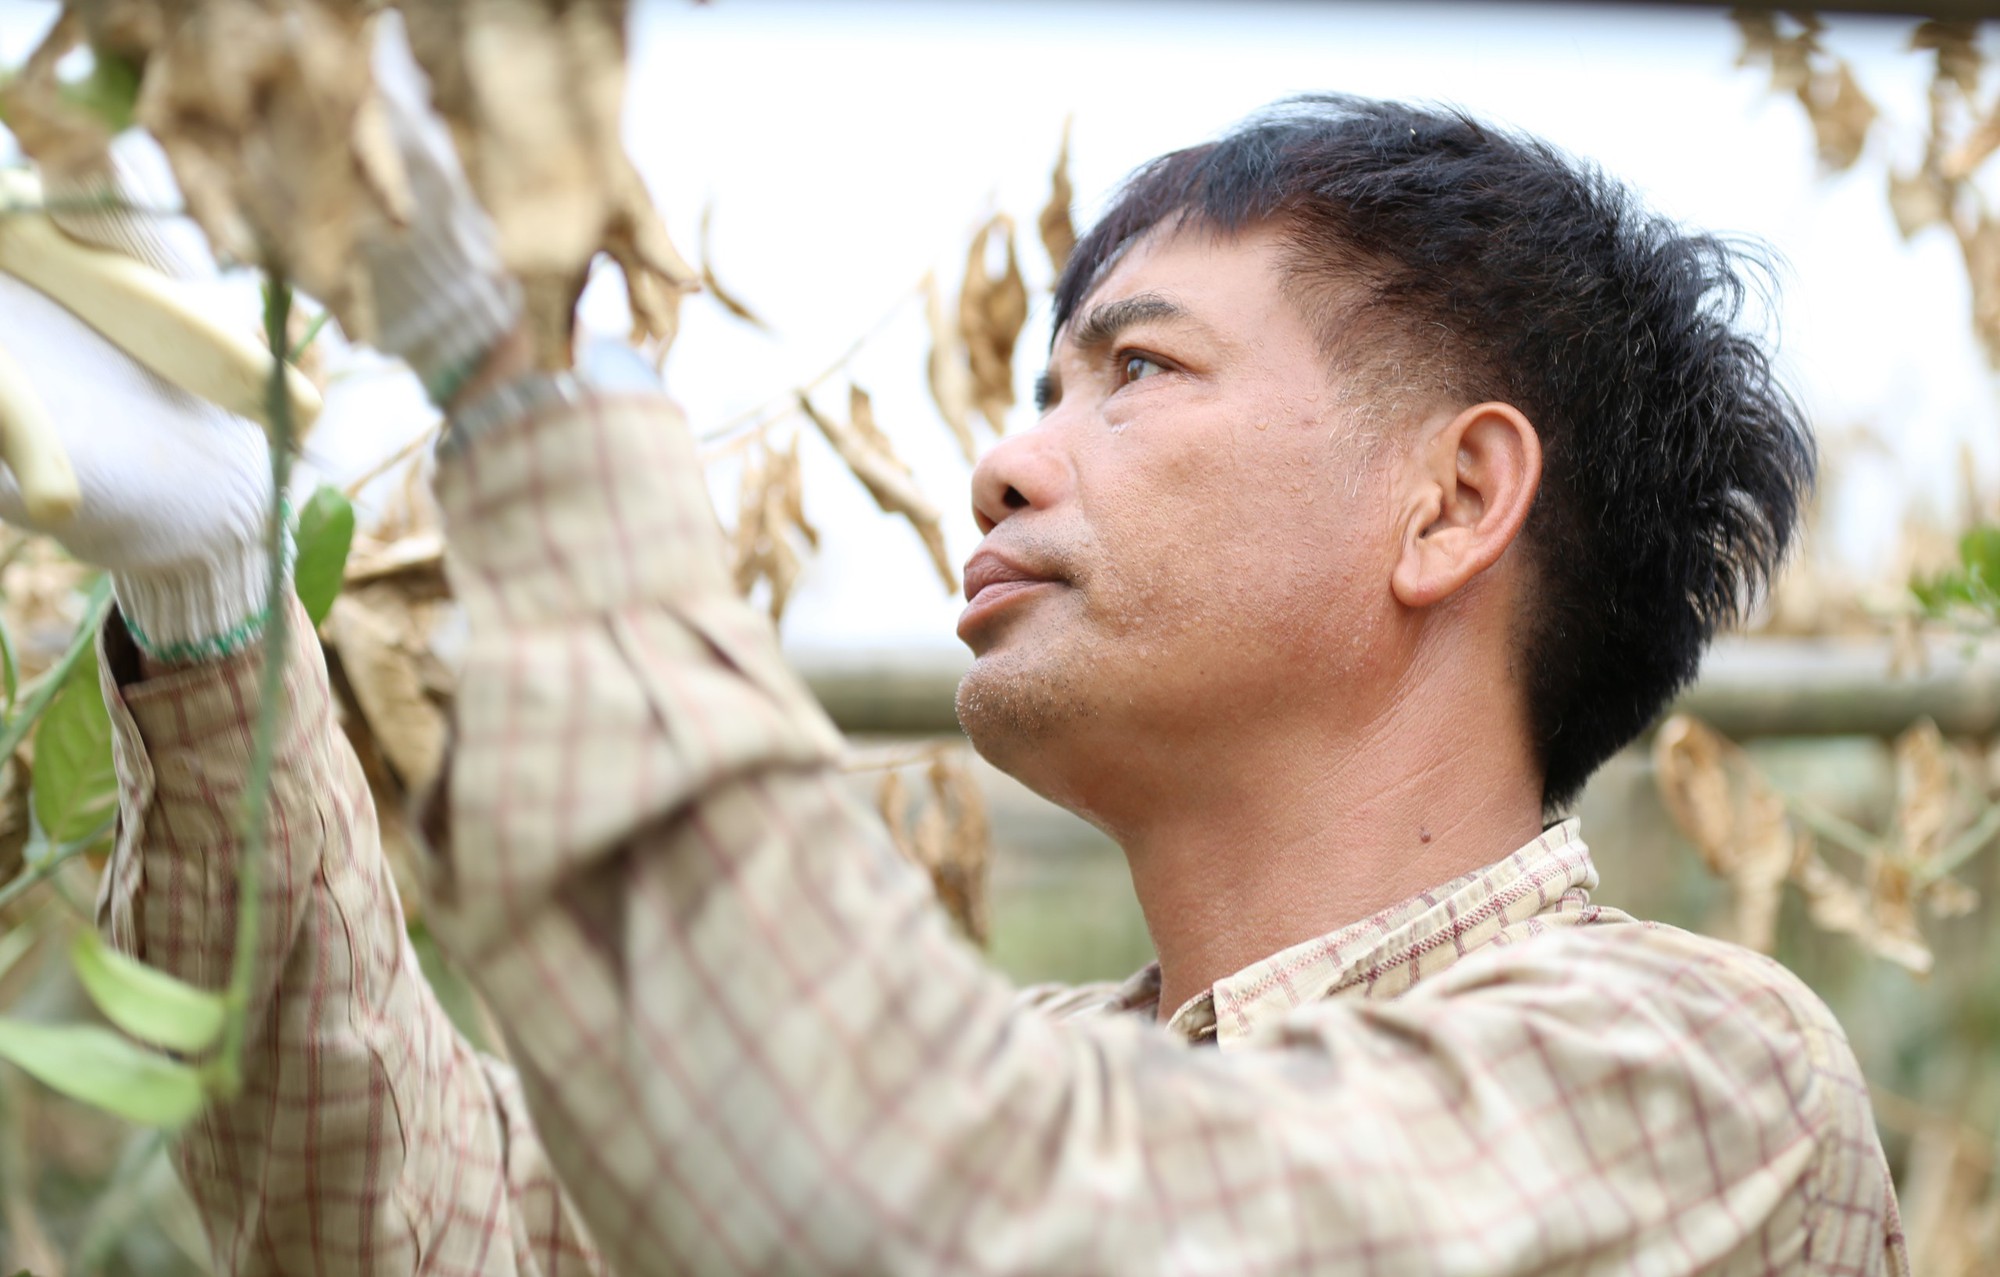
<point x="1014" y="706"/>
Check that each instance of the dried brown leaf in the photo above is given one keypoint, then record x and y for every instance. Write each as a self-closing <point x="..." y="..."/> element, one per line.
<point x="383" y="641"/>
<point x="867" y="452"/>
<point x="1841" y="115"/>
<point x="1947" y="897"/>
<point x="65" y="139"/>
<point x="1789" y="56"/>
<point x="950" y="374"/>
<point x="1837" y="905"/>
<point x="261" y="126"/>
<point x="1735" y="819"/>
<point x="730" y="302"/>
<point x="1921" y="200"/>
<point x="963" y="841"/>
<point x="946" y="833"/>
<point x="769" y="513"/>
<point x="1924" y="794"/>
<point x="1688" y="768"/>
<point x="533" y="91"/>
<point x="1958" y="56"/>
<point x="991" y="312"/>
<point x="892" y="800"/>
<point x="1058" y="230"/>
<point x="1972" y="150"/>
<point x="1981" y="246"/>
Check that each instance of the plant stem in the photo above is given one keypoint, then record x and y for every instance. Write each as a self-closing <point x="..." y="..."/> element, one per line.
<point x="28" y="879"/>
<point x="1965" y="846"/>
<point x="37" y="697"/>
<point x="1834" y="829"/>
<point x="254" y="819"/>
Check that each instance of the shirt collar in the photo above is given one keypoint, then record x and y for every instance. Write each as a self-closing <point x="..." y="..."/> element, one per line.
<point x="1383" y="956"/>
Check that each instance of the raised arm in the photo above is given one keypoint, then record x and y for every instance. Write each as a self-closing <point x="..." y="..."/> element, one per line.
<point x="369" y="1136"/>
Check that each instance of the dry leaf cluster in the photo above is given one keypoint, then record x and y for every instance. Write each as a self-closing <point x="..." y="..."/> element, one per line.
<point x="1825" y="86"/>
<point x="269" y="115"/>
<point x="770" y="517"/>
<point x="386" y="647"/>
<point x="992" y="308"/>
<point x="1961" y="134"/>
<point x="1757" y="840"/>
<point x="943" y="829"/>
<point x="868" y="453"/>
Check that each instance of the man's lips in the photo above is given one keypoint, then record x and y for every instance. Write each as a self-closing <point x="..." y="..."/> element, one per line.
<point x="991" y="580"/>
<point x="988" y="571"/>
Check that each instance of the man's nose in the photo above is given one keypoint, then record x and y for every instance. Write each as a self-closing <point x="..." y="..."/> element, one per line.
<point x="1024" y="471"/>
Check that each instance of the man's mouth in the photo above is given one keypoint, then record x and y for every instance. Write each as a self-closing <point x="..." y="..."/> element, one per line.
<point x="992" y="580"/>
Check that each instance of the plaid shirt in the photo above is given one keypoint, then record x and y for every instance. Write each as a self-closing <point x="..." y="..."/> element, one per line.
<point x="746" y="1040"/>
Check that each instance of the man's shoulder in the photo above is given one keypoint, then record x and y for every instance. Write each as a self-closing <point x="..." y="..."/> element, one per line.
<point x="1716" y="998"/>
<point x="1625" y="957"/>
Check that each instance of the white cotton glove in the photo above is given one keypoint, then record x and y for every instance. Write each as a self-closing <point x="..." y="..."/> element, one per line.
<point x="442" y="297"/>
<point x="175" y="491"/>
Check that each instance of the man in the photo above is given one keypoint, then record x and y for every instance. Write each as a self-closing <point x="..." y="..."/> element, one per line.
<point x="1392" y="472"/>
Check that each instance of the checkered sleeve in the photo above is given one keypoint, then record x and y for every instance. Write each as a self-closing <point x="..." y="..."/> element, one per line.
<point x="369" y="1137"/>
<point x="754" y="1045"/>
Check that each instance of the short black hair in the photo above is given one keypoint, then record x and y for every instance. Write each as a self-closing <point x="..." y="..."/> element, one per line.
<point x="1675" y="466"/>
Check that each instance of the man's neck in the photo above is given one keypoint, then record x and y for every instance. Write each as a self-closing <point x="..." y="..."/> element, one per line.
<point x="1292" y="834"/>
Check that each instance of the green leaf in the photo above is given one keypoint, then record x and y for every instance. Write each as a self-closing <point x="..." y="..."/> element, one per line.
<point x="13" y="944"/>
<point x="326" y="530"/>
<point x="109" y="92"/>
<point x="10" y="672"/>
<point x="75" y="787"/>
<point x="40" y="692"/>
<point x="148" y="1004"/>
<point x="298" y="351"/>
<point x="103" y="1070"/>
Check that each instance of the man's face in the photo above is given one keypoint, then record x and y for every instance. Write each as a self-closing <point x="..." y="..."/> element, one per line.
<point x="1191" y="547"/>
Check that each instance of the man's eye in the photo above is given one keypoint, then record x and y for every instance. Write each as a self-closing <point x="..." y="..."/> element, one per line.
<point x="1137" y="367"/>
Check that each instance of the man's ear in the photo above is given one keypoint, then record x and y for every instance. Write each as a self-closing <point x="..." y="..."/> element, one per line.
<point x="1471" y="485"/>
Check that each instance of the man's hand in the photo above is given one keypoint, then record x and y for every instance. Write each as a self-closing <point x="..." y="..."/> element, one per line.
<point x="175" y="491"/>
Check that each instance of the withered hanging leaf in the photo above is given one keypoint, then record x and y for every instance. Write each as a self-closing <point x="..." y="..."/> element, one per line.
<point x="729" y="300"/>
<point x="1981" y="246"/>
<point x="867" y="452"/>
<point x="1841" y="115"/>
<point x="1957" y="46"/>
<point x="533" y="91"/>
<point x="1920" y="200"/>
<point x="958" y="843"/>
<point x="1687" y="761"/>
<point x="63" y="137"/>
<point x="991" y="312"/>
<point x="1737" y="822"/>
<point x="1923" y="794"/>
<point x="1838" y="906"/>
<point x="1788" y="56"/>
<point x="1759" y="29"/>
<point x="1973" y="150"/>
<point x="1058" y="231"/>
<point x="384" y="649"/>
<point x="260" y="125"/>
<point x="950" y="374"/>
<point x="770" y="511"/>
<point x="948" y="835"/>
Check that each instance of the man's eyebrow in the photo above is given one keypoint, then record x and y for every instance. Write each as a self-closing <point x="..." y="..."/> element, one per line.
<point x="1101" y="324"/>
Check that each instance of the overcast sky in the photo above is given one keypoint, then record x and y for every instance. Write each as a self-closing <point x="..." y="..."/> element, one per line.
<point x="848" y="148"/>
